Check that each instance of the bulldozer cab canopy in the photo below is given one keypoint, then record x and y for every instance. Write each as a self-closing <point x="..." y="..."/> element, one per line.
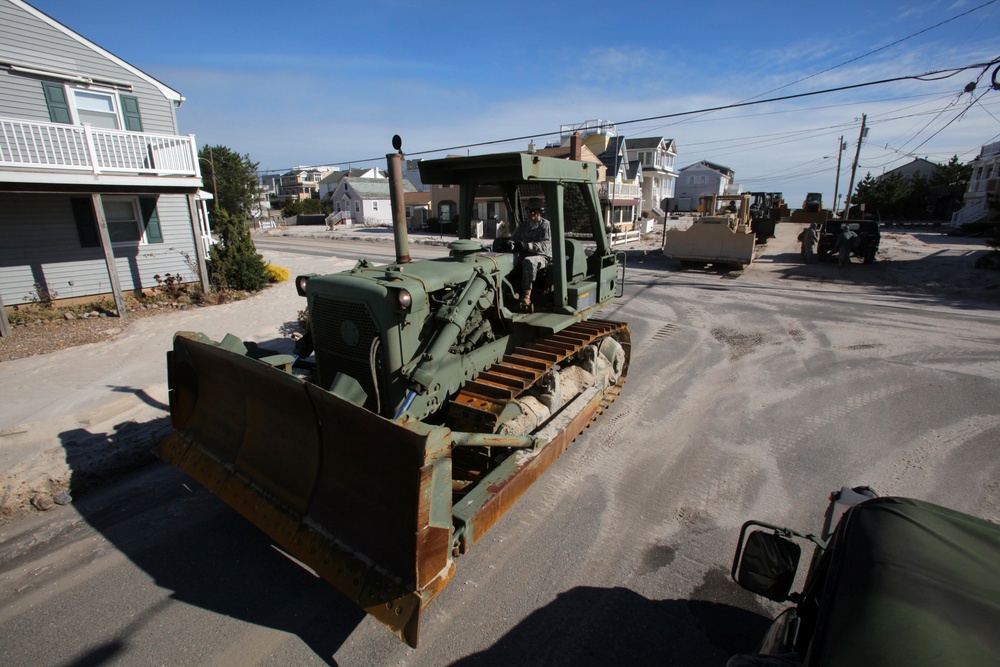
<point x="568" y="188"/>
<point x="504" y="168"/>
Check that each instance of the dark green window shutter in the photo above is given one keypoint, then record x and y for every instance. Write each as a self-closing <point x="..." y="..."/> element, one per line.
<point x="86" y="222"/>
<point x="150" y="220"/>
<point x="130" y="110"/>
<point x="55" y="99"/>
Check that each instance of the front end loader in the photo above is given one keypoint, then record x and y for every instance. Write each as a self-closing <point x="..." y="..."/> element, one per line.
<point x="431" y="401"/>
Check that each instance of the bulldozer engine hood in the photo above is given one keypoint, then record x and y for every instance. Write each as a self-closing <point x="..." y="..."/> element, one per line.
<point x="361" y="328"/>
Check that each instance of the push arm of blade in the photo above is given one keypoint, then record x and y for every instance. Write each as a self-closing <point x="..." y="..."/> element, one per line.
<point x="460" y="439"/>
<point x="407" y="402"/>
<point x="454" y="318"/>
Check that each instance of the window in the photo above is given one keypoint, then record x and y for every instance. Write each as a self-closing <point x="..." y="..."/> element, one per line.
<point x="375" y="205"/>
<point x="357" y="207"/>
<point x="122" y="214"/>
<point x="131" y="220"/>
<point x="98" y="109"/>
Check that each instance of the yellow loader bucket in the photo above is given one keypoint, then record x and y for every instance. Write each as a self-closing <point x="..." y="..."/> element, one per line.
<point x="364" y="502"/>
<point x="710" y="240"/>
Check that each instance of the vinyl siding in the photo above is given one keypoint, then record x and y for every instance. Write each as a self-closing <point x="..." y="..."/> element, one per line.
<point x="29" y="41"/>
<point x="41" y="245"/>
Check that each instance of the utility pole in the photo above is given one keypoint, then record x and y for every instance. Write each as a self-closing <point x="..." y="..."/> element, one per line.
<point x="841" y="147"/>
<point x="854" y="169"/>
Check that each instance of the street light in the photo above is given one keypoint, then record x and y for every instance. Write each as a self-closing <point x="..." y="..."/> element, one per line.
<point x="215" y="188"/>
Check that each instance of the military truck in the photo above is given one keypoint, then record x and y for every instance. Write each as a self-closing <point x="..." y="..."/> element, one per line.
<point x="865" y="244"/>
<point x="892" y="581"/>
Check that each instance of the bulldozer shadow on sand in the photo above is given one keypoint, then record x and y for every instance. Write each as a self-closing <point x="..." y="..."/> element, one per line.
<point x="198" y="552"/>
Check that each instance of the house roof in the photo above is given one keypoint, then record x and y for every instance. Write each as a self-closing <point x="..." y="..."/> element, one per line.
<point x="917" y="164"/>
<point x="610" y="155"/>
<point x="375" y="188"/>
<point x="337" y="176"/>
<point x="167" y="91"/>
<point x="711" y="165"/>
<point x="648" y="142"/>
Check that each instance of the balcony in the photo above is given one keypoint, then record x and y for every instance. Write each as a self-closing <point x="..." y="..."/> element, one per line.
<point x="54" y="153"/>
<point x="619" y="190"/>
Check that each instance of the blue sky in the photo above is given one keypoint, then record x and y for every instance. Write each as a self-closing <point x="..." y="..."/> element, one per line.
<point x="330" y="83"/>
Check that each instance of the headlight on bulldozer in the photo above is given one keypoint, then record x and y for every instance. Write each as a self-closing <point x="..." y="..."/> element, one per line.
<point x="405" y="299"/>
<point x="300" y="284"/>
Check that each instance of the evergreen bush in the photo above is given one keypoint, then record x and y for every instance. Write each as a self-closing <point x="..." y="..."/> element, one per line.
<point x="234" y="262"/>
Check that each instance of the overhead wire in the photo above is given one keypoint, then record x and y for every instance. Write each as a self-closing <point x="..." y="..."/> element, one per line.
<point x="949" y="72"/>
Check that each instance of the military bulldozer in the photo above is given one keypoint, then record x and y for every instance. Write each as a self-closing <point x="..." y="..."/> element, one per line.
<point x="766" y="209"/>
<point x="722" y="235"/>
<point x="422" y="402"/>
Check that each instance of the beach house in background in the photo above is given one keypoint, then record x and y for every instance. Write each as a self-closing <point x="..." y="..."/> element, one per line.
<point x="703" y="178"/>
<point x="98" y="190"/>
<point x="621" y="189"/>
<point x="983" y="183"/>
<point x="655" y="155"/>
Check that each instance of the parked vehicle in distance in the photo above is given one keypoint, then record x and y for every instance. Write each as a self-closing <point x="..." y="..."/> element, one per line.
<point x="892" y="581"/>
<point x="865" y="244"/>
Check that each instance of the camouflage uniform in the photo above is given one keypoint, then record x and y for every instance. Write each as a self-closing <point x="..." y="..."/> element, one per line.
<point x="536" y="237"/>
<point x="846" y="239"/>
<point x="808" y="240"/>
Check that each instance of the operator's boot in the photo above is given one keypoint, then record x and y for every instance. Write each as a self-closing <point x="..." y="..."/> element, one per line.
<point x="526" y="300"/>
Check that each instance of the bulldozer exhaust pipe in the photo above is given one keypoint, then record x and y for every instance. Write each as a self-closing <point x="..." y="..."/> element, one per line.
<point x="398" y="206"/>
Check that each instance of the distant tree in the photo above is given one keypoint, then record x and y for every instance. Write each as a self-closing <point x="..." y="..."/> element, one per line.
<point x="948" y="186"/>
<point x="953" y="174"/>
<point x="233" y="180"/>
<point x="916" y="203"/>
<point x="305" y="207"/>
<point x="866" y="192"/>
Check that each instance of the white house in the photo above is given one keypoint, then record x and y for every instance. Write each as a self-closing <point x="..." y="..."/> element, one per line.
<point x="983" y="182"/>
<point x="363" y="201"/>
<point x="702" y="178"/>
<point x="656" y="156"/>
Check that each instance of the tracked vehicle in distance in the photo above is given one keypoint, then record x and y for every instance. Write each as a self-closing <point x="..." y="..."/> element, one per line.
<point x="434" y="401"/>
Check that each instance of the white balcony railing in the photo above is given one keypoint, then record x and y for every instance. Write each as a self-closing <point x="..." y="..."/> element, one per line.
<point x="82" y="148"/>
<point x="619" y="190"/>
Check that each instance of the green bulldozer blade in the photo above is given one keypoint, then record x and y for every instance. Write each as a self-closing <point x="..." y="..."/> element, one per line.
<point x="361" y="500"/>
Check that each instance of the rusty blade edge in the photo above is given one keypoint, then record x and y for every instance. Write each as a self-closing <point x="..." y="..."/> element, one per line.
<point x="396" y="606"/>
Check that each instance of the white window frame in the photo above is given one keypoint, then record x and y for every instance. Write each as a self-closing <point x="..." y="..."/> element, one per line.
<point x="71" y="100"/>
<point x="136" y="210"/>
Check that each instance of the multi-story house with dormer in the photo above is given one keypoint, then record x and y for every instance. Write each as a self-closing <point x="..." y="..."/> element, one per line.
<point x="656" y="156"/>
<point x="98" y="189"/>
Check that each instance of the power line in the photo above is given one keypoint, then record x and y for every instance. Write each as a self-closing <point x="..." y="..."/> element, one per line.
<point x="949" y="72"/>
<point x="881" y="48"/>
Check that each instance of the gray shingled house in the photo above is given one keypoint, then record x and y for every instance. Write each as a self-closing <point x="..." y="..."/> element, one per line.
<point x="98" y="191"/>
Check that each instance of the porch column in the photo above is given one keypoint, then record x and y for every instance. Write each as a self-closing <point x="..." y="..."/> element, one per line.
<point x="109" y="255"/>
<point x="199" y="243"/>
<point x="4" y="324"/>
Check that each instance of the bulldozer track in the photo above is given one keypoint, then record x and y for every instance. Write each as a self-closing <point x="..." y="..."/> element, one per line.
<point x="478" y="406"/>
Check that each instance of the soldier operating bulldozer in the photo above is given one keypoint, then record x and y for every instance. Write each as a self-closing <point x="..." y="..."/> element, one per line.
<point x="533" y="241"/>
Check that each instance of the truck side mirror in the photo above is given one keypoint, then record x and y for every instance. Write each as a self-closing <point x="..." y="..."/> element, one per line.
<point x="766" y="564"/>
